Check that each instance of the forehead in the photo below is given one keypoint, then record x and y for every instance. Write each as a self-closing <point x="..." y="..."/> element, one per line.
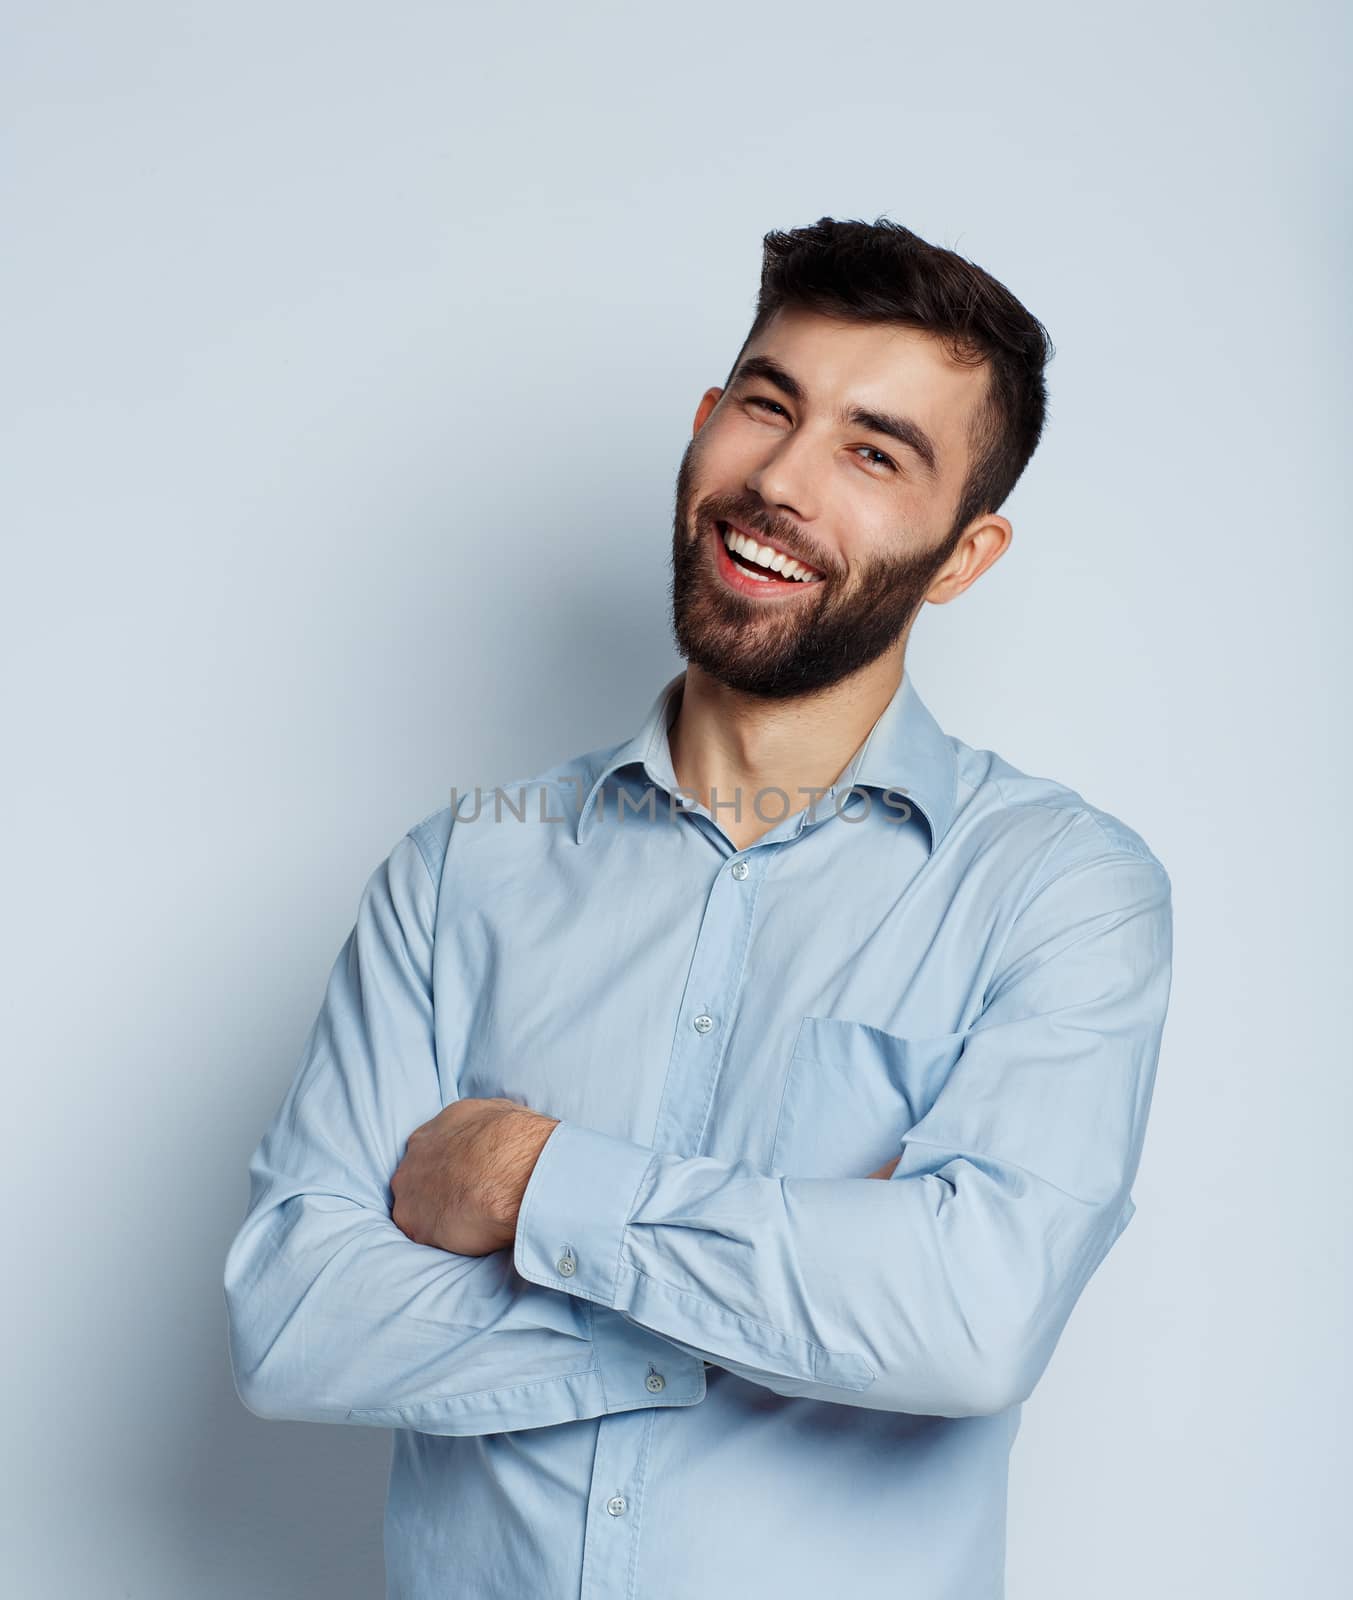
<point x="881" y="368"/>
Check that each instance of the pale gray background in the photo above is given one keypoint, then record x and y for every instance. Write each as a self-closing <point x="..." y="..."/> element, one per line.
<point x="351" y="353"/>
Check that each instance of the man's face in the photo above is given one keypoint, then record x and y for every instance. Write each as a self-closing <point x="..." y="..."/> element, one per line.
<point x="870" y="514"/>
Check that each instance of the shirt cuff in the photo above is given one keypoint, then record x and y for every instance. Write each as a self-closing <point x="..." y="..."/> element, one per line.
<point x="575" y="1208"/>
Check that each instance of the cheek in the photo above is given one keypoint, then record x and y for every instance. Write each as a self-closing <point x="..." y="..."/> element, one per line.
<point x="724" y="454"/>
<point x="890" y="549"/>
<point x="865" y="541"/>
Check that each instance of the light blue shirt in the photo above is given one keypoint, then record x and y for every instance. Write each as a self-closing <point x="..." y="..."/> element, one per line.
<point x="720" y="1359"/>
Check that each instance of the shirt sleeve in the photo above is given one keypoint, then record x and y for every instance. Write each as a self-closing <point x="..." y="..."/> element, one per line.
<point x="334" y="1314"/>
<point x="944" y="1289"/>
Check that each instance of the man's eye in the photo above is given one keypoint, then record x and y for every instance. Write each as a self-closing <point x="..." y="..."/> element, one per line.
<point x="774" y="405"/>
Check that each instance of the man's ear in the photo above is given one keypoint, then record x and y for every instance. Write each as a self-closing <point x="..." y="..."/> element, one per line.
<point x="708" y="401"/>
<point x="982" y="543"/>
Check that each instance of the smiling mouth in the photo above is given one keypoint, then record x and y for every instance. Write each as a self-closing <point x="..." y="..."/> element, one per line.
<point x="762" y="563"/>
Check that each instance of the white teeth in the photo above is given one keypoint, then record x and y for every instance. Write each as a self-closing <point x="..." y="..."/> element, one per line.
<point x="764" y="556"/>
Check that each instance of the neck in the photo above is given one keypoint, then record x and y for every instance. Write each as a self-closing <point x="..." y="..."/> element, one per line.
<point x="726" y="743"/>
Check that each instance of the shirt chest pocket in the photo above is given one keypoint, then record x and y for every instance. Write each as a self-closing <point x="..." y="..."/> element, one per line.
<point x="851" y="1092"/>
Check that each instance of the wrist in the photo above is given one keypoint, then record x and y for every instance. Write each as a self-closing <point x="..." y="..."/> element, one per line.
<point x="528" y="1140"/>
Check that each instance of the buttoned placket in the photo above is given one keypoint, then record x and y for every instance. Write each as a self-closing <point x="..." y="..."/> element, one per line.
<point x="611" y="1560"/>
<point x="612" y="1565"/>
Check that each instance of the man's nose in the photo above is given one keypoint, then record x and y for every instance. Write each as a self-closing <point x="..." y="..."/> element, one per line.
<point x="787" y="480"/>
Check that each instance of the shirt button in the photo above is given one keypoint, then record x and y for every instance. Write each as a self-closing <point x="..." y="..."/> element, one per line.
<point x="567" y="1263"/>
<point x="740" y="869"/>
<point x="702" y="1023"/>
<point x="616" y="1505"/>
<point x="655" y="1382"/>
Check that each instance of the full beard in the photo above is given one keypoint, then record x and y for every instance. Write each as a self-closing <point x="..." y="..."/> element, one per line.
<point x="793" y="648"/>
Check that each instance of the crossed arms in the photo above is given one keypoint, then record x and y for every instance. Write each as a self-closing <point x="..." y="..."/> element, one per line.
<point x="481" y="1267"/>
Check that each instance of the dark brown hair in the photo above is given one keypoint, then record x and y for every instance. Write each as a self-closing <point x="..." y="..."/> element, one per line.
<point x="883" y="272"/>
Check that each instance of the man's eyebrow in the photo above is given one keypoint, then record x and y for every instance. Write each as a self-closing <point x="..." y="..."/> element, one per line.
<point x="903" y="429"/>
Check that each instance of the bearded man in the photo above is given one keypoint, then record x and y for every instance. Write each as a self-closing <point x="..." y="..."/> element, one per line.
<point x="696" y="1161"/>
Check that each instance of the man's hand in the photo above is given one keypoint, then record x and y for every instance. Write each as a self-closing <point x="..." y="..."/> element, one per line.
<point x="460" y="1184"/>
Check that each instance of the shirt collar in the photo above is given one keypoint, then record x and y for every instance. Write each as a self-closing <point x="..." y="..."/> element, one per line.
<point x="905" y="750"/>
